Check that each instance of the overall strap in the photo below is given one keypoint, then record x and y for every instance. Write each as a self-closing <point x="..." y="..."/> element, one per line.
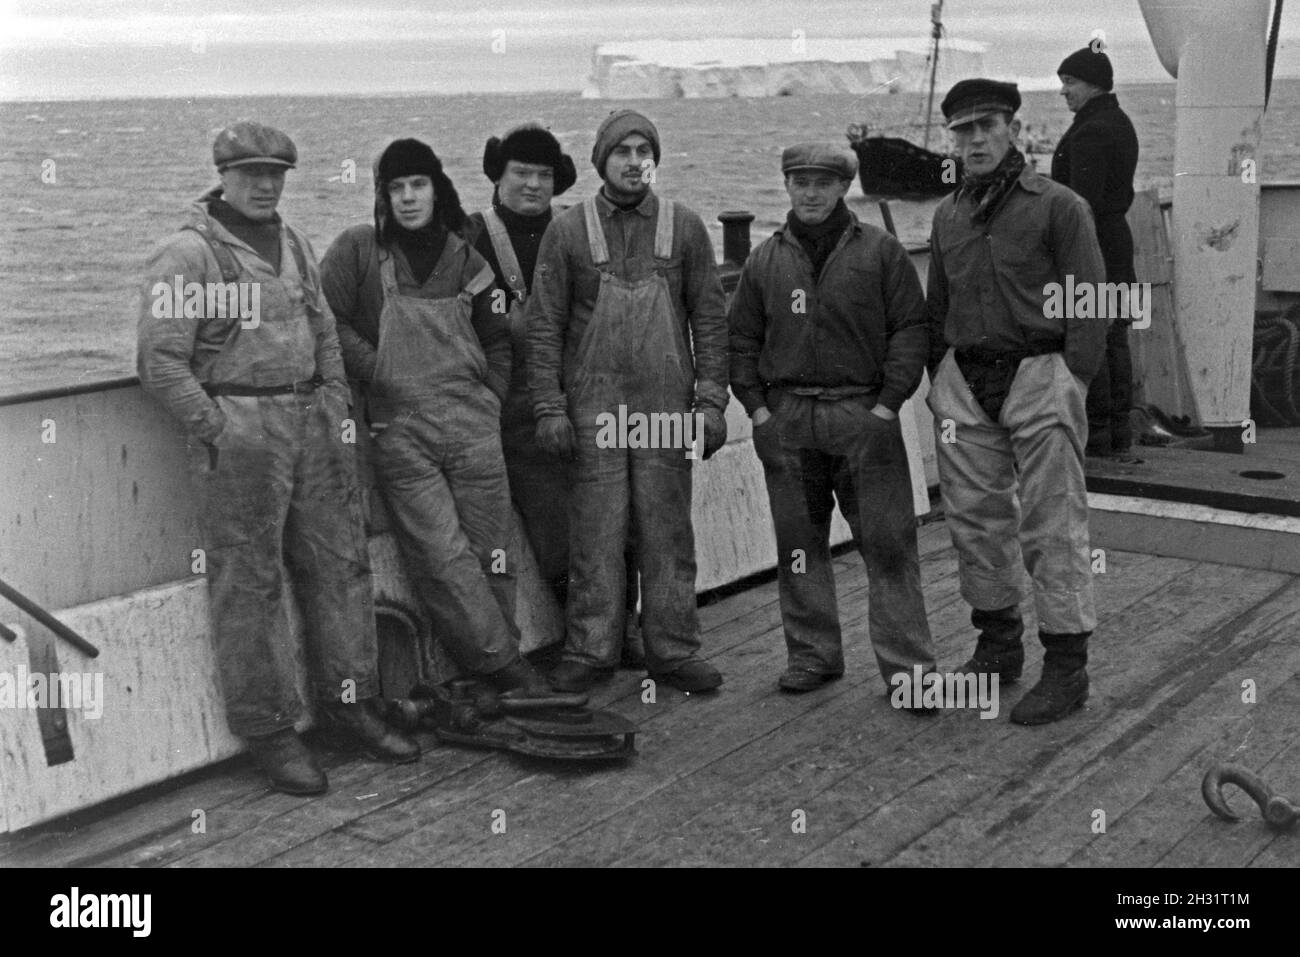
<point x="387" y="272"/>
<point x="505" y="253"/>
<point x="664" y="231"/>
<point x="480" y="282"/>
<point x="299" y="250"/>
<point x="595" y="233"/>
<point x="226" y="261"/>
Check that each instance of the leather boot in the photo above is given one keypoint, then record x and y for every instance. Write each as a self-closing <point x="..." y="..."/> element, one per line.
<point x="1064" y="685"/>
<point x="999" y="650"/>
<point x="361" y="726"/>
<point x="520" y="677"/>
<point x="287" y="763"/>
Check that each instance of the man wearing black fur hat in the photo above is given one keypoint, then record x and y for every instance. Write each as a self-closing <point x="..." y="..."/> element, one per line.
<point x="527" y="168"/>
<point x="628" y="319"/>
<point x="414" y="307"/>
<point x="1097" y="158"/>
<point x="1009" y="379"/>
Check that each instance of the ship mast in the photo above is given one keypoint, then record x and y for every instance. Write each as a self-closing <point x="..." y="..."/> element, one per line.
<point x="936" y="30"/>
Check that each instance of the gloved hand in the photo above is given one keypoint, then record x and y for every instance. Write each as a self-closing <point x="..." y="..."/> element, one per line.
<point x="715" y="429"/>
<point x="555" y="435"/>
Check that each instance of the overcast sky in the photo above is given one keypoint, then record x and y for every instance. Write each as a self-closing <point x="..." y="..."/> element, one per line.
<point x="58" y="49"/>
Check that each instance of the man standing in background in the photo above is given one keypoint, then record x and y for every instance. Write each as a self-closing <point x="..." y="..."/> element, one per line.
<point x="1097" y="158"/>
<point x="263" y="397"/>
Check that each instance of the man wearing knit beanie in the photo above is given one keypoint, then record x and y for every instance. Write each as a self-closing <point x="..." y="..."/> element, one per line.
<point x="413" y="303"/>
<point x="1096" y="158"/>
<point x="627" y="322"/>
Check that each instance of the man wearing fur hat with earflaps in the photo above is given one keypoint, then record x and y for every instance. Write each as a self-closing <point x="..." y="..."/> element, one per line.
<point x="527" y="168"/>
<point x="415" y="319"/>
<point x="628" y="318"/>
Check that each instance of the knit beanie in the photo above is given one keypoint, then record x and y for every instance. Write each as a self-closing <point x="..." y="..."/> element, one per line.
<point x="1091" y="67"/>
<point x="617" y="125"/>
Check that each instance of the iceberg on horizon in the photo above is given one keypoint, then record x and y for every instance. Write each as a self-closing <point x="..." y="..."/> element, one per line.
<point x="692" y="69"/>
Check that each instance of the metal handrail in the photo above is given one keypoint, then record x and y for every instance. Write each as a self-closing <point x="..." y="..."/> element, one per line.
<point x="46" y="619"/>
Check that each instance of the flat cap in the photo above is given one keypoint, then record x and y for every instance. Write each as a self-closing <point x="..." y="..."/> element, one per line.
<point x="970" y="100"/>
<point x="824" y="156"/>
<point x="247" y="142"/>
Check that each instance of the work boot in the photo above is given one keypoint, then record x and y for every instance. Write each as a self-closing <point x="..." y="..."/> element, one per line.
<point x="574" y="676"/>
<point x="519" y="676"/>
<point x="361" y="726"/>
<point x="1064" y="684"/>
<point x="287" y="763"/>
<point x="999" y="650"/>
<point x="691" y="674"/>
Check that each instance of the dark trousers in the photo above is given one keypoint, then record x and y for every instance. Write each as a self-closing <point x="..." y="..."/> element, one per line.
<point x="815" y="452"/>
<point x="1110" y="396"/>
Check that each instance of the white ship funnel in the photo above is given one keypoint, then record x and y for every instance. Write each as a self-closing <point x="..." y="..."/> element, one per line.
<point x="1216" y="51"/>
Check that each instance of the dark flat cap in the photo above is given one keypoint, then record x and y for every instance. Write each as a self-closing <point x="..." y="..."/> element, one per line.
<point x="824" y="156"/>
<point x="249" y="142"/>
<point x="970" y="100"/>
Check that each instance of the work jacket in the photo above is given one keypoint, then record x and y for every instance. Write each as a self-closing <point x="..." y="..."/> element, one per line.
<point x="861" y="323"/>
<point x="293" y="339"/>
<point x="989" y="283"/>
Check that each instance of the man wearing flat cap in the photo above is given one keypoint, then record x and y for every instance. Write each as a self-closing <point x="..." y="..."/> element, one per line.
<point x="257" y="381"/>
<point x="1097" y="158"/>
<point x="1009" y="379"/>
<point x="628" y="319"/>
<point x="828" y="339"/>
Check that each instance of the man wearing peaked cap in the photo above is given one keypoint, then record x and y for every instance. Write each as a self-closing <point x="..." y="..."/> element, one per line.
<point x="263" y="396"/>
<point x="1097" y="158"/>
<point x="627" y="317"/>
<point x="828" y="339"/>
<point x="1009" y="376"/>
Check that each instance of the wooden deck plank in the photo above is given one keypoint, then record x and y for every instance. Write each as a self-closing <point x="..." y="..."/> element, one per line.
<point x="674" y="740"/>
<point x="745" y="796"/>
<point x="1191" y="712"/>
<point x="1173" y="809"/>
<point x="937" y="791"/>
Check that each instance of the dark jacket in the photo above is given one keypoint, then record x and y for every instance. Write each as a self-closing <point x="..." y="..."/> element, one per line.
<point x="862" y="322"/>
<point x="525" y="238"/>
<point x="1097" y="158"/>
<point x="989" y="282"/>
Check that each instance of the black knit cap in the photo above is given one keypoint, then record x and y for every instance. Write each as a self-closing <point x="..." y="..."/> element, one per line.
<point x="1089" y="65"/>
<point x="407" y="158"/>
<point x="970" y="100"/>
<point x="529" y="143"/>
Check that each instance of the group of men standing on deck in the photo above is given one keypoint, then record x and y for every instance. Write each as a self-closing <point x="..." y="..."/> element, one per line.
<point x="490" y="349"/>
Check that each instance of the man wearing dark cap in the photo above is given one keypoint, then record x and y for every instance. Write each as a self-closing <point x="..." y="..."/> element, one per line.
<point x="828" y="339"/>
<point x="262" y="394"/>
<point x="1097" y="158"/>
<point x="415" y="319"/>
<point x="1009" y="380"/>
<point x="627" y="318"/>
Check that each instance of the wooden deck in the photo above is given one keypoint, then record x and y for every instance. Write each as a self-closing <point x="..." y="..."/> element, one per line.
<point x="719" y="779"/>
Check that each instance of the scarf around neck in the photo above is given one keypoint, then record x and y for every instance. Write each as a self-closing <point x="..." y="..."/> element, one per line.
<point x="819" y="240"/>
<point x="988" y="191"/>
